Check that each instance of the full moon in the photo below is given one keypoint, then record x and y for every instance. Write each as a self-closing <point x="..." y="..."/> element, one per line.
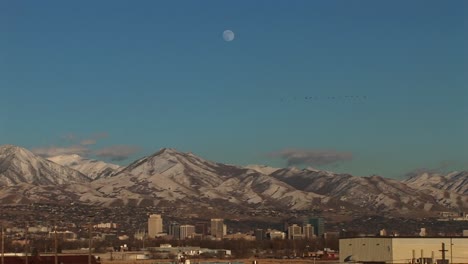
<point x="228" y="35"/>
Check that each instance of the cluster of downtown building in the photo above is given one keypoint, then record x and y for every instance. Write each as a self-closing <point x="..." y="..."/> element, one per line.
<point x="216" y="229"/>
<point x="213" y="229"/>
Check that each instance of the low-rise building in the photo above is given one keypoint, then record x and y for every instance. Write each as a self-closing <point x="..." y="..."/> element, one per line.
<point x="275" y="234"/>
<point x="240" y="236"/>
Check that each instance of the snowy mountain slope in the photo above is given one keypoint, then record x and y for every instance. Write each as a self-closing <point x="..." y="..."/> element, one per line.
<point x="450" y="190"/>
<point x="373" y="192"/>
<point x="94" y="169"/>
<point x="19" y="165"/>
<point x="175" y="176"/>
<point x="169" y="177"/>
<point x="453" y="182"/>
<point x="262" y="169"/>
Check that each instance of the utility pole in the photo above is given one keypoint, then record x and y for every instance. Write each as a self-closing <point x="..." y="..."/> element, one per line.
<point x="90" y="228"/>
<point x="90" y="243"/>
<point x="143" y="238"/>
<point x="451" y="254"/>
<point x="3" y="245"/>
<point x="56" y="244"/>
<point x="443" y="252"/>
<point x="26" y="243"/>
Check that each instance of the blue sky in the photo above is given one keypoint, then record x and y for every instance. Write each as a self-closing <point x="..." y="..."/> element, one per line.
<point x="365" y="87"/>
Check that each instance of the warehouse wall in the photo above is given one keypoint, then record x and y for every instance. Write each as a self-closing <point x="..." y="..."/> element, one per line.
<point x="400" y="249"/>
<point x="366" y="249"/>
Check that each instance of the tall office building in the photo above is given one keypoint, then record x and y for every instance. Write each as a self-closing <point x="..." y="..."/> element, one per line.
<point x="318" y="223"/>
<point x="174" y="230"/>
<point x="217" y="228"/>
<point x="155" y="225"/>
<point x="201" y="228"/>
<point x="187" y="231"/>
<point x="294" y="232"/>
<point x="308" y="231"/>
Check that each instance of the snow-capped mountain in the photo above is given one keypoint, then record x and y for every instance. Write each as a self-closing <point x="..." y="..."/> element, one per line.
<point x="174" y="176"/>
<point x="19" y="165"/>
<point x="94" y="169"/>
<point x="454" y="182"/>
<point x="263" y="169"/>
<point x="373" y="192"/>
<point x="450" y="189"/>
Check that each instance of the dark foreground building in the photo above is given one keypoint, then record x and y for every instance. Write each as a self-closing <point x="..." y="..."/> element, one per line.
<point x="50" y="259"/>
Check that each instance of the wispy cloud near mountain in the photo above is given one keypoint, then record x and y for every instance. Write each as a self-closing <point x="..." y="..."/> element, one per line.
<point x="55" y="151"/>
<point x="117" y="153"/>
<point x="84" y="147"/>
<point x="312" y="157"/>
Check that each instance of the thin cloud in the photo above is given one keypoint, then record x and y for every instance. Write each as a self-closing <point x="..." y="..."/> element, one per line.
<point x="75" y="145"/>
<point x="94" y="139"/>
<point x="295" y="157"/>
<point x="117" y="153"/>
<point x="55" y="151"/>
<point x="87" y="142"/>
<point x="70" y="137"/>
<point x="100" y="135"/>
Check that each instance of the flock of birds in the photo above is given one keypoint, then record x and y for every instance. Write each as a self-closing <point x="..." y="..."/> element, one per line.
<point x="341" y="98"/>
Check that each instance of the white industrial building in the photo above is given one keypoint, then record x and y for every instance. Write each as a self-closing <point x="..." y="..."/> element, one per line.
<point x="424" y="250"/>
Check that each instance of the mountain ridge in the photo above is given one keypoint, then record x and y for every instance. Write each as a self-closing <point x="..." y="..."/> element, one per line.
<point x="19" y="165"/>
<point x="170" y="176"/>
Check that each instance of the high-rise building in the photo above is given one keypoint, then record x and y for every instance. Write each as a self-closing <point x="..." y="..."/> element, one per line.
<point x="294" y="232"/>
<point x="201" y="228"/>
<point x="217" y="228"/>
<point x="260" y="234"/>
<point x="174" y="230"/>
<point x="318" y="223"/>
<point x="155" y="225"/>
<point x="187" y="231"/>
<point x="308" y="231"/>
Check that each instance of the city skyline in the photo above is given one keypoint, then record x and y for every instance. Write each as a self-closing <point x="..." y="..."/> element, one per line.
<point x="368" y="88"/>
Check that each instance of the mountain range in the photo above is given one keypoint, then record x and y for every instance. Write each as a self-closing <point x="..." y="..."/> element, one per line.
<point x="170" y="178"/>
